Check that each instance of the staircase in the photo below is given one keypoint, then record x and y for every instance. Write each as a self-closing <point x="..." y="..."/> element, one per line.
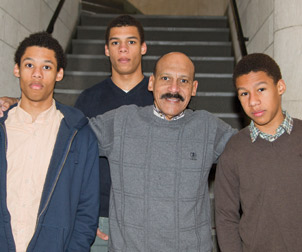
<point x="205" y="39"/>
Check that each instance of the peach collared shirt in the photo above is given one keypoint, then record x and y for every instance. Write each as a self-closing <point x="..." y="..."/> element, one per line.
<point x="30" y="147"/>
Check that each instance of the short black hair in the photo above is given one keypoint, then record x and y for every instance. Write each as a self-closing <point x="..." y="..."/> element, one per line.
<point x="42" y="39"/>
<point x="125" y="20"/>
<point x="256" y="62"/>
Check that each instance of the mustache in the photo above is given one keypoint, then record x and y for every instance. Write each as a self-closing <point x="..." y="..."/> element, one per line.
<point x="169" y="95"/>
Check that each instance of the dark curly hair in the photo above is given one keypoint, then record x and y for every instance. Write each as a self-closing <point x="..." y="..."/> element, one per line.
<point x="256" y="62"/>
<point x="125" y="20"/>
<point x="42" y="39"/>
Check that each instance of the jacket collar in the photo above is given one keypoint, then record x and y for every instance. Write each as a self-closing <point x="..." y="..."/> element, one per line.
<point x="5" y="113"/>
<point x="73" y="117"/>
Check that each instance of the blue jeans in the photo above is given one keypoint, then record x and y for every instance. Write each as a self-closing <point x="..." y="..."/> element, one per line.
<point x="100" y="245"/>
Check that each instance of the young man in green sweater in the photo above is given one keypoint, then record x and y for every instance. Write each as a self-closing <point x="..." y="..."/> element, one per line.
<point x="258" y="189"/>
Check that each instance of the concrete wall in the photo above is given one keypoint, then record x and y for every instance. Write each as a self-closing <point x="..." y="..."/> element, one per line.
<point x="288" y="51"/>
<point x="257" y="19"/>
<point x="19" y="18"/>
<point x="274" y="27"/>
<point x="181" y="7"/>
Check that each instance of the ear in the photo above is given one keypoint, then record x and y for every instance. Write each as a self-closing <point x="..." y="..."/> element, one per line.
<point x="151" y="83"/>
<point x="60" y="75"/>
<point x="194" y="89"/>
<point x="281" y="87"/>
<point x="107" y="50"/>
<point x="17" y="71"/>
<point x="143" y="48"/>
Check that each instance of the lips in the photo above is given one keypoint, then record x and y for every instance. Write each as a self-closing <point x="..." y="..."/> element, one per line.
<point x="123" y="60"/>
<point x="258" y="113"/>
<point x="36" y="86"/>
<point x="173" y="99"/>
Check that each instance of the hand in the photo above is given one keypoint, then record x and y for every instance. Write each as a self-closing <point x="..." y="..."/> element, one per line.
<point x="5" y="103"/>
<point x="102" y="235"/>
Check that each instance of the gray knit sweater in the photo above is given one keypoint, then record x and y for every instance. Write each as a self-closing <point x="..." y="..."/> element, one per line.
<point x="264" y="179"/>
<point x="159" y="169"/>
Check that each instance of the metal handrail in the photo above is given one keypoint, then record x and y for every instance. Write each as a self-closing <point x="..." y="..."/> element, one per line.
<point x="240" y="35"/>
<point x="54" y="17"/>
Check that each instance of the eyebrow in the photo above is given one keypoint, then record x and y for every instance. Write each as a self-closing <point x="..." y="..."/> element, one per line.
<point x="180" y="76"/>
<point x="261" y="82"/>
<point x="256" y="84"/>
<point x="131" y="37"/>
<point x="31" y="59"/>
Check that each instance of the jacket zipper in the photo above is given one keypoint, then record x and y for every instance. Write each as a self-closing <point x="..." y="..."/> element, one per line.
<point x="53" y="188"/>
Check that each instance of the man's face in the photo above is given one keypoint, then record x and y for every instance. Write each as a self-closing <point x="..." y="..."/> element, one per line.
<point x="173" y="84"/>
<point x="37" y="75"/>
<point x="260" y="98"/>
<point x="125" y="50"/>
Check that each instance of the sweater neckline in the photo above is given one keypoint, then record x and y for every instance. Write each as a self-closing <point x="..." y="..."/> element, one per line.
<point x="133" y="90"/>
<point x="149" y="114"/>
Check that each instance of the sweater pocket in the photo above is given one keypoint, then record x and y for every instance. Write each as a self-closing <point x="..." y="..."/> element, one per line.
<point x="50" y="239"/>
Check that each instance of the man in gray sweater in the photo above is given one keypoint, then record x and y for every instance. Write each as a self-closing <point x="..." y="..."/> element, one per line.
<point x="258" y="186"/>
<point x="160" y="157"/>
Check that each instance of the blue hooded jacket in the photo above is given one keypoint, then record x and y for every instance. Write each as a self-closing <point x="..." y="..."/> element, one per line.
<point x="69" y="208"/>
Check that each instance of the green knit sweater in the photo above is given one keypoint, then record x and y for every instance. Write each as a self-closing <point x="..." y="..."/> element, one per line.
<point x="264" y="179"/>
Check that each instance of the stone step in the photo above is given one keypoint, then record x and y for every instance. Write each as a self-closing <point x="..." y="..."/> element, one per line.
<point x="101" y="63"/>
<point x="163" y="33"/>
<point x="160" y="21"/>
<point x="91" y="7"/>
<point x="109" y="3"/>
<point x="191" y="48"/>
<point x="215" y="83"/>
<point x="215" y="103"/>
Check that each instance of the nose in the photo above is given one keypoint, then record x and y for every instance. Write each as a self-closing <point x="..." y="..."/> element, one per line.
<point x="174" y="86"/>
<point x="37" y="73"/>
<point x="123" y="47"/>
<point x="254" y="100"/>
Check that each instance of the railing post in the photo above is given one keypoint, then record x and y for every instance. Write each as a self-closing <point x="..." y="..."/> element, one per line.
<point x="240" y="35"/>
<point x="54" y="17"/>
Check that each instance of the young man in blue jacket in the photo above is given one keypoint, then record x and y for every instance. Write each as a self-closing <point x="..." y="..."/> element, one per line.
<point x="49" y="160"/>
